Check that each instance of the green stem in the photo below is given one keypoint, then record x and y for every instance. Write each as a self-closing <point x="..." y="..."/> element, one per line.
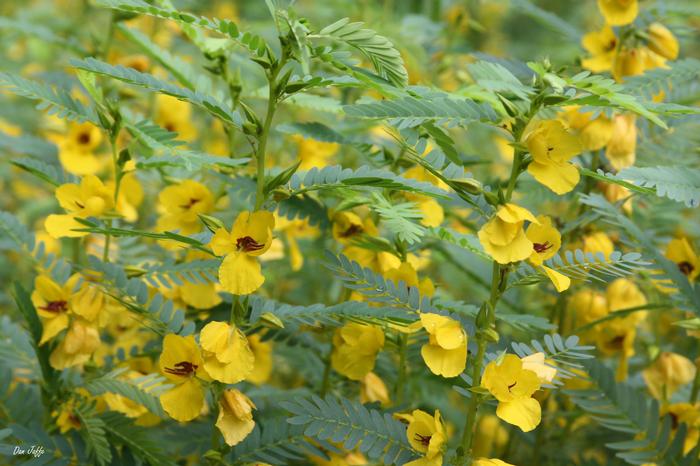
<point x="114" y="133"/>
<point x="696" y="388"/>
<point x="514" y="172"/>
<point x="401" y="378"/>
<point x="326" y="382"/>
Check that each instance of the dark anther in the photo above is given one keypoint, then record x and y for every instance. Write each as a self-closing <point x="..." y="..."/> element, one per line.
<point x="352" y="231"/>
<point x="541" y="247"/>
<point x="686" y="268"/>
<point x="423" y="439"/>
<point x="84" y="138"/>
<point x="190" y="204"/>
<point x="248" y="244"/>
<point x="55" y="306"/>
<point x="183" y="368"/>
<point x="512" y="385"/>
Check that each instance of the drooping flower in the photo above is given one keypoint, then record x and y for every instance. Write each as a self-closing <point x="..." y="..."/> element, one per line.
<point x="78" y="344"/>
<point x="669" y="372"/>
<point x="427" y="435"/>
<point x="503" y="237"/>
<point x="618" y="12"/>
<point x="433" y="213"/>
<point x="546" y="241"/>
<point x="598" y="242"/>
<point x="355" y="348"/>
<point x="293" y="231"/>
<point x="226" y="355"/>
<point x="681" y="252"/>
<point x="407" y="273"/>
<point x="662" y="41"/>
<point x="181" y="363"/>
<point x="250" y="237"/>
<point x="621" y="149"/>
<point x="235" y="419"/>
<point x="552" y="145"/>
<point x="373" y="389"/>
<point x="91" y="198"/>
<point x="313" y="153"/>
<point x="490" y="436"/>
<point x="601" y="45"/>
<point x="445" y="354"/>
<point x="262" y="355"/>
<point x="180" y="205"/>
<point x="513" y="387"/>
<point x="594" y="133"/>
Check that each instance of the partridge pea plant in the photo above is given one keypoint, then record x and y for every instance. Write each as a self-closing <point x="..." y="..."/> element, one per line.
<point x="349" y="233"/>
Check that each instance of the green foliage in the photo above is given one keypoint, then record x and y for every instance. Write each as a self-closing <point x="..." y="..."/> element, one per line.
<point x="93" y="430"/>
<point x="400" y="219"/>
<point x="566" y="352"/>
<point x="137" y="439"/>
<point x="142" y="390"/>
<point x="679" y="184"/>
<point x="377" y="435"/>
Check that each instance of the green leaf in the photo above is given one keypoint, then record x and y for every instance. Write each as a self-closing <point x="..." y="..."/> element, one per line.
<point x="93" y="430"/>
<point x="681" y="184"/>
<point x="410" y="111"/>
<point x="496" y="78"/>
<point x="379" y="50"/>
<point x="129" y="388"/>
<point x="611" y="178"/>
<point x="136" y="438"/>
<point x="547" y="19"/>
<point x="401" y="219"/>
<point x="56" y="101"/>
<point x="217" y="106"/>
<point x="378" y="435"/>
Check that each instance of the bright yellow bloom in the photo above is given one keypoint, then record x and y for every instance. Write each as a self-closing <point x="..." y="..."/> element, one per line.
<point x="601" y="45"/>
<point x="235" y="419"/>
<point x="407" y="273"/>
<point x="52" y="302"/>
<point x="262" y="354"/>
<point x="588" y="306"/>
<point x="76" y="149"/>
<point x="618" y="12"/>
<point x="433" y="213"/>
<point x="175" y="115"/>
<point x="598" y="242"/>
<point x="313" y="153"/>
<point x="552" y="145"/>
<point x="513" y="387"/>
<point x="669" y="372"/>
<point x="662" y="41"/>
<point x="546" y="241"/>
<point x="91" y="198"/>
<point x="373" y="390"/>
<point x="348" y="226"/>
<point x="537" y="364"/>
<point x="250" y="237"/>
<point x="680" y="252"/>
<point x="688" y="414"/>
<point x="181" y="363"/>
<point x="623" y="144"/>
<point x="225" y="352"/>
<point x="490" y="462"/>
<point x="634" y="61"/>
<point x="79" y="343"/>
<point x="427" y="435"/>
<point x="503" y="237"/>
<point x="180" y="205"/>
<point x="66" y="418"/>
<point x="355" y="348"/>
<point x="445" y="354"/>
<point x="594" y="133"/>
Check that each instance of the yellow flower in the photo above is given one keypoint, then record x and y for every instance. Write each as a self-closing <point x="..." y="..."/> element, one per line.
<point x="79" y="343"/>
<point x="536" y="363"/>
<point x="490" y="436"/>
<point x="76" y="149"/>
<point x="180" y="205"/>
<point x="513" y="387"/>
<point x="124" y="405"/>
<point x="490" y="462"/>
<point x="662" y="41"/>
<point x="407" y="274"/>
<point x="623" y="144"/>
<point x="52" y="302"/>
<point x="594" y="133"/>
<point x="552" y="145"/>
<point x="348" y="226"/>
<point x="445" y="354"/>
<point x="262" y="354"/>
<point x="669" y="372"/>
<point x="235" y="419"/>
<point x="546" y="241"/>
<point x="373" y="390"/>
<point x="180" y="362"/>
<point x="433" y="213"/>
<point x="175" y="115"/>
<point x="427" y="435"/>
<point x="130" y="196"/>
<point x="250" y="237"/>
<point x="680" y="252"/>
<point x="66" y="418"/>
<point x="688" y="414"/>
<point x="634" y="61"/>
<point x="355" y="348"/>
<point x="618" y="12"/>
<point x="313" y="153"/>
<point x="294" y="230"/>
<point x="91" y="198"/>
<point x="503" y="237"/>
<point x="225" y="352"/>
<point x="624" y="294"/>
<point x="598" y="242"/>
<point x="601" y="45"/>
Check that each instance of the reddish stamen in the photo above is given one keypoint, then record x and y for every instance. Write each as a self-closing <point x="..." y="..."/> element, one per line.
<point x="686" y="268"/>
<point x="248" y="244"/>
<point x="423" y="439"/>
<point x="55" y="306"/>
<point x="352" y="231"/>
<point x="183" y="368"/>
<point x="190" y="204"/>
<point x="541" y="247"/>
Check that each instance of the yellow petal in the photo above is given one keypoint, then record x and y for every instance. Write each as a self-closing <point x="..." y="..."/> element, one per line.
<point x="240" y="274"/>
<point x="53" y="326"/>
<point x="63" y="226"/>
<point x="560" y="281"/>
<point x="618" y="12"/>
<point x="183" y="402"/>
<point x="221" y="243"/>
<point x="559" y="177"/>
<point x="525" y="413"/>
<point x="513" y="213"/>
<point x="443" y="362"/>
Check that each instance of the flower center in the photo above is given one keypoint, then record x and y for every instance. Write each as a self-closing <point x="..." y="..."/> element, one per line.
<point x="512" y="385"/>
<point x="55" y="306"/>
<point x="183" y="368"/>
<point x="686" y="268"/>
<point x="611" y="45"/>
<point x="84" y="138"/>
<point x="541" y="247"/>
<point x="351" y="231"/>
<point x="248" y="244"/>
<point x="423" y="439"/>
<point x="190" y="204"/>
